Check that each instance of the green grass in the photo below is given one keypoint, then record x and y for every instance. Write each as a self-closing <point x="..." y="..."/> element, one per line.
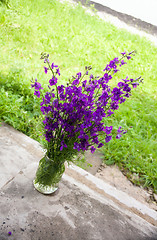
<point x="5" y="2"/>
<point x="75" y="39"/>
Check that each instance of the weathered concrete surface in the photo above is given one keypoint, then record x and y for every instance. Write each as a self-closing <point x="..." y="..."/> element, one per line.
<point x="121" y="199"/>
<point x="136" y="13"/>
<point x="70" y="214"/>
<point x="80" y="210"/>
<point x="17" y="151"/>
<point x="28" y="152"/>
<point x="144" y="10"/>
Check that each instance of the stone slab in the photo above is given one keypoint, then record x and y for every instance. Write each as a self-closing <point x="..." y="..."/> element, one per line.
<point x="145" y="10"/>
<point x="69" y="214"/>
<point x="16" y="151"/>
<point x="84" y="208"/>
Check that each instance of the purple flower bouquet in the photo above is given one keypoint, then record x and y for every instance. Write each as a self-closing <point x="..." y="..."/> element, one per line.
<point x="73" y="114"/>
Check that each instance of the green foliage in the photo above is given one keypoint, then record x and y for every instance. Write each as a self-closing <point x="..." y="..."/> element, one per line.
<point x="136" y="151"/>
<point x="5" y="3"/>
<point x="49" y="172"/>
<point x="18" y="106"/>
<point x="81" y="161"/>
<point x="76" y="39"/>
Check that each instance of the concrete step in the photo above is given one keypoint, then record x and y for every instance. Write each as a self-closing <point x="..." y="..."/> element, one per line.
<point x="85" y="207"/>
<point x="144" y="10"/>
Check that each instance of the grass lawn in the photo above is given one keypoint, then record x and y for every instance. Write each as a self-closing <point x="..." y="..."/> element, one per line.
<point x="75" y="39"/>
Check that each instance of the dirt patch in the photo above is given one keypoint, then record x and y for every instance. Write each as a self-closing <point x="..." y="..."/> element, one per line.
<point x="113" y="176"/>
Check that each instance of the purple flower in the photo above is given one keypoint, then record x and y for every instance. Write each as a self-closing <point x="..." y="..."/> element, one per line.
<point x="92" y="149"/>
<point x="53" y="81"/>
<point x="45" y="70"/>
<point x="126" y="79"/>
<point x="116" y="91"/>
<point x="46" y="60"/>
<point x="122" y="100"/>
<point x="37" y="93"/>
<point x="62" y="96"/>
<point x="60" y="89"/>
<point x="45" y="109"/>
<point x="119" y="130"/>
<point x="83" y="135"/>
<point x="47" y="97"/>
<point x="108" y="138"/>
<point x="84" y="83"/>
<point x="91" y="76"/>
<point x="74" y="114"/>
<point x="76" y="146"/>
<point x="9" y="233"/>
<point x="56" y="103"/>
<point x="58" y="72"/>
<point x="122" y="63"/>
<point x="79" y="75"/>
<point x="75" y="82"/>
<point x="48" y="136"/>
<point x="107" y="68"/>
<point x="63" y="145"/>
<point x="107" y="77"/>
<point x="100" y="145"/>
<point x="120" y="84"/>
<point x="113" y="63"/>
<point x="123" y="53"/>
<point x="128" y="57"/>
<point x="135" y="84"/>
<point x="114" y="106"/>
<point x="126" y="88"/>
<point x="109" y="113"/>
<point x="127" y="95"/>
<point x="53" y="65"/>
<point x="36" y="85"/>
<point x="118" y="136"/>
<point x="108" y="130"/>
